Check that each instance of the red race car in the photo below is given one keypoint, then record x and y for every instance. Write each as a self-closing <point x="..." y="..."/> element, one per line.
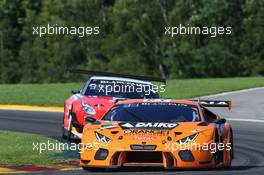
<point x="99" y="94"/>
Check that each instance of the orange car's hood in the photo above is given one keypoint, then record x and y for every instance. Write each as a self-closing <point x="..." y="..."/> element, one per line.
<point x="148" y="131"/>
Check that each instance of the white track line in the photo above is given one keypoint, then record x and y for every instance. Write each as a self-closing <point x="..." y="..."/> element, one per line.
<point x="237" y="92"/>
<point x="245" y="120"/>
<point x="233" y="92"/>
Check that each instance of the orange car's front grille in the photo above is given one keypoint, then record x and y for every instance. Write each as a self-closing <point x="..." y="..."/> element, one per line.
<point x="143" y="157"/>
<point x="143" y="147"/>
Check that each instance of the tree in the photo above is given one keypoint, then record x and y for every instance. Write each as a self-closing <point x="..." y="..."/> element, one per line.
<point x="203" y="55"/>
<point x="11" y="14"/>
<point x="253" y="39"/>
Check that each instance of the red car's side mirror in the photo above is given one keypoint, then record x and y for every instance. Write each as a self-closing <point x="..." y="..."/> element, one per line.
<point x="76" y="91"/>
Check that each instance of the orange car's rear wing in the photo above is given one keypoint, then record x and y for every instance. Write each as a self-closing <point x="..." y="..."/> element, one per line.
<point x="215" y="103"/>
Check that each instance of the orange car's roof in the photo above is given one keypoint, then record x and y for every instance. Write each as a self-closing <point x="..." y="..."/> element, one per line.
<point x="189" y="102"/>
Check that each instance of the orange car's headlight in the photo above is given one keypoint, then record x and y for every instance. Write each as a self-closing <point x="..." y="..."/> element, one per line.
<point x="102" y="138"/>
<point x="188" y="139"/>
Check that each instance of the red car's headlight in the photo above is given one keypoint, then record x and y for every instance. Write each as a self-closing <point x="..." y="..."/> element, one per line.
<point x="87" y="108"/>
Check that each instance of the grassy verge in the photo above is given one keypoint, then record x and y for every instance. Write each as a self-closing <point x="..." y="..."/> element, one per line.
<point x="200" y="87"/>
<point x="37" y="94"/>
<point x="17" y="149"/>
<point x="55" y="94"/>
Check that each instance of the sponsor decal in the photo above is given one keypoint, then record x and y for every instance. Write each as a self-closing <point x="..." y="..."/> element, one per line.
<point x="157" y="100"/>
<point x="146" y="132"/>
<point x="108" y="126"/>
<point x="162" y="103"/>
<point x="120" y="82"/>
<point x="127" y="125"/>
<point x="144" y="138"/>
<point x="149" y="125"/>
<point x="195" y="131"/>
<point x="216" y="103"/>
<point x="165" y="102"/>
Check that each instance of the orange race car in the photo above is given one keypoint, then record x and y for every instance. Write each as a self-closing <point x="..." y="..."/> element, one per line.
<point x="161" y="132"/>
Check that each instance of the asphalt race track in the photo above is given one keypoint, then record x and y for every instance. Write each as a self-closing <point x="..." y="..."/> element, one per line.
<point x="248" y="135"/>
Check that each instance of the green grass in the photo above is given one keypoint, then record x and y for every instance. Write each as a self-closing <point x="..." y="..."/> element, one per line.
<point x="17" y="149"/>
<point x="200" y="87"/>
<point x="55" y="94"/>
<point x="37" y="94"/>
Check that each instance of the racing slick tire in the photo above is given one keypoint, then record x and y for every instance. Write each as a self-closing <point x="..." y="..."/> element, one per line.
<point x="67" y="133"/>
<point x="231" y="152"/>
<point x="218" y="155"/>
<point x="64" y="133"/>
<point x="70" y="136"/>
<point x="232" y="145"/>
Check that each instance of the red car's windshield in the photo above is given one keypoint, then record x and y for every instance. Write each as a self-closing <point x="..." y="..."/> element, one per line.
<point x="120" y="89"/>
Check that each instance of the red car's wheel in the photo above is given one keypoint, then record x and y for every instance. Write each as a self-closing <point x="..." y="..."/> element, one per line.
<point x="64" y="133"/>
<point x="67" y="132"/>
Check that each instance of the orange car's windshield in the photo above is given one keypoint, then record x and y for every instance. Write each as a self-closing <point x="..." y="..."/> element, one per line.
<point x="153" y="112"/>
